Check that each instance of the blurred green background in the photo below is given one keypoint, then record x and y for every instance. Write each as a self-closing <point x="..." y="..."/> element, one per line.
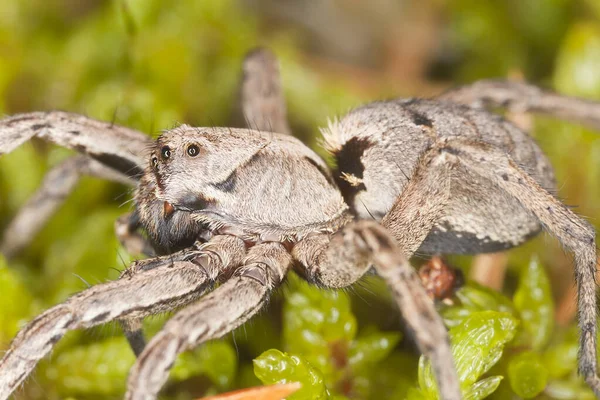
<point x="151" y="64"/>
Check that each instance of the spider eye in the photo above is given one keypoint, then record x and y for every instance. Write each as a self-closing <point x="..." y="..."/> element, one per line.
<point x="165" y="152"/>
<point x="193" y="150"/>
<point x="154" y="162"/>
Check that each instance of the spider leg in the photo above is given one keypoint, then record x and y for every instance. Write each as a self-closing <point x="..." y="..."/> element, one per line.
<point x="56" y="186"/>
<point x="262" y="101"/>
<point x="220" y="253"/>
<point x="159" y="289"/>
<point x="571" y="230"/>
<point x="215" y="315"/>
<point x="109" y="152"/>
<point x="523" y="97"/>
<point x="340" y="260"/>
<point x="117" y="147"/>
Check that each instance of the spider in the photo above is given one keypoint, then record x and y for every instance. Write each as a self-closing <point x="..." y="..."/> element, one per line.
<point x="242" y="207"/>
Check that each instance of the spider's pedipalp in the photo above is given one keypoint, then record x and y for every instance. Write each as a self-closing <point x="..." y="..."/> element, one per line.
<point x="215" y="315"/>
<point x="127" y="228"/>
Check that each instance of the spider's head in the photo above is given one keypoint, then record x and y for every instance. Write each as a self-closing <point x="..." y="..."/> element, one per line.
<point x="235" y="180"/>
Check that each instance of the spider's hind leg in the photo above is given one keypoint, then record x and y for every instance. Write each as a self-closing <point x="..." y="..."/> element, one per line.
<point x="523" y="97"/>
<point x="572" y="231"/>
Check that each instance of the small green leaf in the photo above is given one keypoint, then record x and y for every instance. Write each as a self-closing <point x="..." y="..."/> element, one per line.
<point x="573" y="389"/>
<point x="367" y="351"/>
<point x="273" y="366"/>
<point x="474" y="298"/>
<point x="561" y="357"/>
<point x="533" y="300"/>
<point x="482" y="388"/>
<point x="317" y="324"/>
<point x="477" y="345"/>
<point x="527" y="374"/>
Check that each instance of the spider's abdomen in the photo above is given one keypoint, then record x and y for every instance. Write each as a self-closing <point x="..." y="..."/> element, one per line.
<point x="378" y="146"/>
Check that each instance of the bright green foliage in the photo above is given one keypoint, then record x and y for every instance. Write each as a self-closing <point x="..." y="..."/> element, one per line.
<point x="15" y="302"/>
<point x="150" y="64"/>
<point x="477" y="345"/>
<point x="475" y="298"/>
<point x="533" y="300"/>
<point x="569" y="390"/>
<point x="561" y="357"/>
<point x="217" y="360"/>
<point x="320" y="326"/>
<point x="100" y="367"/>
<point x="273" y="366"/>
<point x="527" y="374"/>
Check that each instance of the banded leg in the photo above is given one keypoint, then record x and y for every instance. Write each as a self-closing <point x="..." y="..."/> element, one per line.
<point x="262" y="101"/>
<point x="163" y="288"/>
<point x="215" y="315"/>
<point x="56" y="186"/>
<point x="108" y="151"/>
<point x="523" y="97"/>
<point x="343" y="259"/>
<point x="222" y="253"/>
<point x="571" y="230"/>
<point x="117" y="147"/>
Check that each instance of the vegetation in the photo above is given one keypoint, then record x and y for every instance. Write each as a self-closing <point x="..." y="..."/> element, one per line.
<point x="151" y="64"/>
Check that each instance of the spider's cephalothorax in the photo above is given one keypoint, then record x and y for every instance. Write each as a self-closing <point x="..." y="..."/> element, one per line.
<point x="242" y="207"/>
<point x="259" y="186"/>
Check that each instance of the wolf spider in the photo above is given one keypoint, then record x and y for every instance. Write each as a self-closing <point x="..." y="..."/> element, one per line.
<point x="243" y="207"/>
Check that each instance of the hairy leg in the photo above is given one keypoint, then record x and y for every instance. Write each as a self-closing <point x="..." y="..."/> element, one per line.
<point x="262" y="101"/>
<point x="162" y="288"/>
<point x="342" y="259"/>
<point x="220" y="254"/>
<point x="218" y="313"/>
<point x="57" y="185"/>
<point x="117" y="147"/>
<point x="108" y="152"/>
<point x="523" y="97"/>
<point x="571" y="230"/>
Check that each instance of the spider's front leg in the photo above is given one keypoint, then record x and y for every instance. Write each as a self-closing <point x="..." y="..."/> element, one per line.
<point x="215" y="315"/>
<point x="108" y="152"/>
<point x="150" y="287"/>
<point x="56" y="186"/>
